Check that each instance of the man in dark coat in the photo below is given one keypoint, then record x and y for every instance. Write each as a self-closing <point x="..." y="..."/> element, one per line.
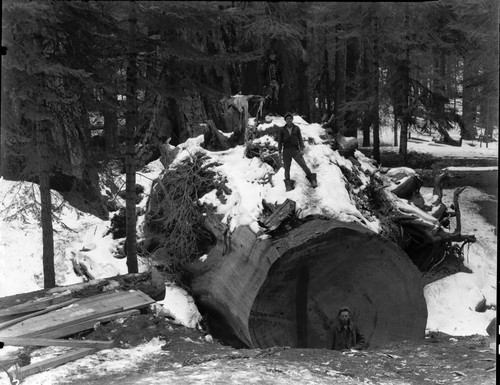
<point x="346" y="335"/>
<point x="290" y="141"/>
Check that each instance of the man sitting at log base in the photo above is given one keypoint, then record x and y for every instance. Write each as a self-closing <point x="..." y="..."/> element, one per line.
<point x="347" y="335"/>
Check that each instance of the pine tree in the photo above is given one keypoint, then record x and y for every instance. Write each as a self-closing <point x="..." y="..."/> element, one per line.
<point x="42" y="95"/>
<point x="131" y="119"/>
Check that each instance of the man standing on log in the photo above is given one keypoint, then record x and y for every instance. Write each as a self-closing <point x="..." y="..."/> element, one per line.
<point x="347" y="335"/>
<point x="290" y="141"/>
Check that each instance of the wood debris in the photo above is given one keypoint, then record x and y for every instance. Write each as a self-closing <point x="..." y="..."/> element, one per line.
<point x="43" y="322"/>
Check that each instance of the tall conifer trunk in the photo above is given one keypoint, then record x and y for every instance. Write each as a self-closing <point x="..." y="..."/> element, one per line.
<point x="110" y="121"/>
<point x="130" y="213"/>
<point x="468" y="108"/>
<point x="365" y="83"/>
<point x="46" y="205"/>
<point x="405" y="72"/>
<point x="375" y="80"/>
<point x="339" y="98"/>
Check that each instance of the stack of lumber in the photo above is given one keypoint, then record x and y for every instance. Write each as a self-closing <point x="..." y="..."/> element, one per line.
<point x="43" y="322"/>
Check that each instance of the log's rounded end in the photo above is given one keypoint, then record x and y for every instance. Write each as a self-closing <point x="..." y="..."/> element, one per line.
<point x="298" y="302"/>
<point x="287" y="291"/>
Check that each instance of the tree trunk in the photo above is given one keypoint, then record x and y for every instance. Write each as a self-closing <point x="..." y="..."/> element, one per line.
<point x="328" y="83"/>
<point x="6" y="105"/>
<point x="339" y="82"/>
<point x="395" y="130"/>
<point x="49" y="277"/>
<point x="439" y="83"/>
<point x="131" y="242"/>
<point x="365" y="82"/>
<point x="468" y="107"/>
<point x="286" y="290"/>
<point x="375" y="80"/>
<point x="110" y="121"/>
<point x="352" y="58"/>
<point x="405" y="89"/>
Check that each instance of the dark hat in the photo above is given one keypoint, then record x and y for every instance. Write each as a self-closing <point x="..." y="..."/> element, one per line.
<point x="344" y="308"/>
<point x="288" y="114"/>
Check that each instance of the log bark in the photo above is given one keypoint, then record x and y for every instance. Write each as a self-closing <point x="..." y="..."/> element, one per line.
<point x="262" y="291"/>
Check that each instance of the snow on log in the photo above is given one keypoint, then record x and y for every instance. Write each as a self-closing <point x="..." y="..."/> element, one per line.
<point x="286" y="291"/>
<point x="279" y="279"/>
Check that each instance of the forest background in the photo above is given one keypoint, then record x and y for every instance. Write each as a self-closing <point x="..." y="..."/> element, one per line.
<point x="86" y="84"/>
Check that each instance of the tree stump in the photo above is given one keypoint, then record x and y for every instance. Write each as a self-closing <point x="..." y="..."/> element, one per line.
<point x="286" y="291"/>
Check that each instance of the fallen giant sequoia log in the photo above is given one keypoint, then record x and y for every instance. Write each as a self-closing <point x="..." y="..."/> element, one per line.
<point x="286" y="291"/>
<point x="282" y="281"/>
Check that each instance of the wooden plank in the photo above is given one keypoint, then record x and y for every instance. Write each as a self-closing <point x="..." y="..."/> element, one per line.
<point x="35" y="314"/>
<point x="35" y="305"/>
<point x="102" y="297"/>
<point x="146" y="300"/>
<point x="141" y="281"/>
<point x="82" y="311"/>
<point x="7" y="363"/>
<point x="31" y="341"/>
<point x="9" y="317"/>
<point x="83" y="326"/>
<point x="55" y="326"/>
<point x="53" y="362"/>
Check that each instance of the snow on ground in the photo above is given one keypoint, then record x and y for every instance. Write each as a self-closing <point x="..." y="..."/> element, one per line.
<point x="217" y="372"/>
<point x="107" y="361"/>
<point x="451" y="301"/>
<point x="472" y="149"/>
<point x="77" y="235"/>
<point x="179" y="306"/>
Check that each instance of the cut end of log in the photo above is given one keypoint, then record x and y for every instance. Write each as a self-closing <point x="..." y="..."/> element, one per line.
<point x="298" y="302"/>
<point x="287" y="292"/>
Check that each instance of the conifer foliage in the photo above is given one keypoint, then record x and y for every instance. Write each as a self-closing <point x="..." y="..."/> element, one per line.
<point x="41" y="106"/>
<point x="70" y="64"/>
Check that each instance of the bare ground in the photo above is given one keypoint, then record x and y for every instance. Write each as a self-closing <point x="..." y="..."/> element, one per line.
<point x="188" y="353"/>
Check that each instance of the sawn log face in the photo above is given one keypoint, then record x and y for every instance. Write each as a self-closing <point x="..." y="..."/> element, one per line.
<point x="287" y="291"/>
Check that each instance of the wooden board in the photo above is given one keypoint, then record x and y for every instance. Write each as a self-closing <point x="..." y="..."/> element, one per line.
<point x="16" y="320"/>
<point x="7" y="363"/>
<point x="34" y="305"/>
<point x="83" y="310"/>
<point x="53" y="362"/>
<point x="56" y="326"/>
<point x="31" y="341"/>
<point x="83" y="326"/>
<point x="151" y="283"/>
